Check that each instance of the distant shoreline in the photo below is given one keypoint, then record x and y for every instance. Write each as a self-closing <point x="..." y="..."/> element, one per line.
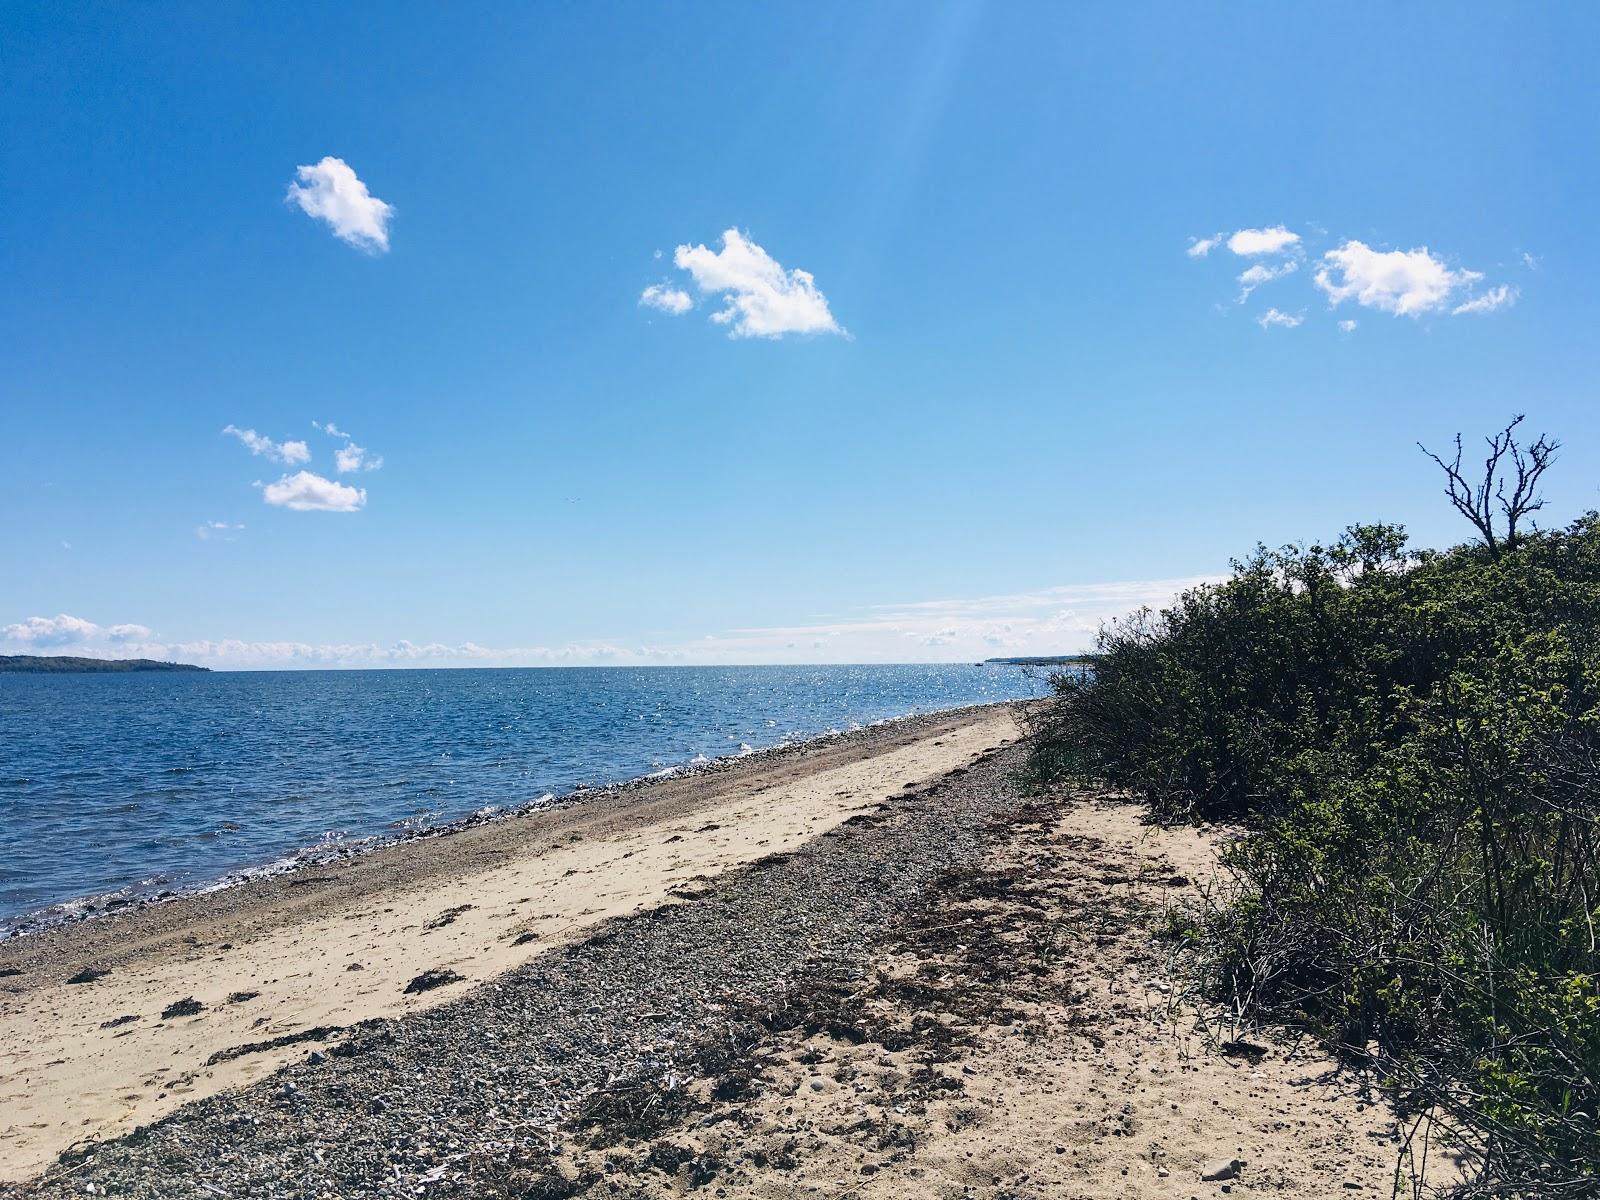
<point x="64" y="664"/>
<point x="1044" y="660"/>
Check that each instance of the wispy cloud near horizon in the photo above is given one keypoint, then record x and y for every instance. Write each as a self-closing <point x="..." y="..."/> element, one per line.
<point x="1051" y="620"/>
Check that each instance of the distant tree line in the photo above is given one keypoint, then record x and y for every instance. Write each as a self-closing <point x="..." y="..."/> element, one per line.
<point x="47" y="664"/>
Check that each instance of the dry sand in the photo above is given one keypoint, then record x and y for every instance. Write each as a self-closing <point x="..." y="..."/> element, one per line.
<point x="1025" y="1035"/>
<point x="331" y="946"/>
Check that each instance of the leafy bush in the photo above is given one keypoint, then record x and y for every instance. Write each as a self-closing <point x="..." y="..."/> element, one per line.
<point x="1413" y="740"/>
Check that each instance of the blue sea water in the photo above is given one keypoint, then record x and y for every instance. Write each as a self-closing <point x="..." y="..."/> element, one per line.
<point x="127" y="785"/>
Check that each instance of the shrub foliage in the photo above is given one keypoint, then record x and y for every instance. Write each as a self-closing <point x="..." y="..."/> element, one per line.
<point x="1413" y="740"/>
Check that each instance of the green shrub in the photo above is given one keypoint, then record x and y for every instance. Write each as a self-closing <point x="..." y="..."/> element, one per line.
<point x="1413" y="740"/>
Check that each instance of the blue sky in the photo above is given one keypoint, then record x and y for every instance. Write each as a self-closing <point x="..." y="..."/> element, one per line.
<point x="1003" y="401"/>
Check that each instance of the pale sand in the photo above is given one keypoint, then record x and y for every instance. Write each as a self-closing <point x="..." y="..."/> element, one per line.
<point x="458" y="902"/>
<point x="1096" y="1078"/>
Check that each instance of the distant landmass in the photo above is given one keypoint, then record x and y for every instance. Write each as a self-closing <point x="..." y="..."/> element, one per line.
<point x="59" y="664"/>
<point x="1048" y="660"/>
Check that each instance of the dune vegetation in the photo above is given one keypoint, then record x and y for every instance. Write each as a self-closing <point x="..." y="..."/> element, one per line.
<point x="1411" y="739"/>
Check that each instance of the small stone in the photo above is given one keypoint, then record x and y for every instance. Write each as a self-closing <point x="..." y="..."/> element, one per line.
<point x="1222" y="1168"/>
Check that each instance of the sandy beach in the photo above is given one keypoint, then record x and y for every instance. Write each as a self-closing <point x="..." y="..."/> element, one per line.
<point x="331" y="946"/>
<point x="869" y="965"/>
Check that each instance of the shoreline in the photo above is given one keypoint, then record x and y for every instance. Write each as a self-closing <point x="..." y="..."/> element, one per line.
<point x="959" y="989"/>
<point x="102" y="905"/>
<point x="111" y="1023"/>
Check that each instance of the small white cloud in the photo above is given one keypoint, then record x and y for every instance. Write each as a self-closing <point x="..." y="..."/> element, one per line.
<point x="1347" y="326"/>
<point x="60" y="630"/>
<point x="287" y="453"/>
<point x="305" y="492"/>
<point x="1406" y="283"/>
<point x="1530" y="261"/>
<point x="762" y="298"/>
<point x="1250" y="242"/>
<point x="330" y="191"/>
<point x="666" y="298"/>
<point x="349" y="457"/>
<point x="1495" y="298"/>
<point x="1200" y="247"/>
<point x="130" y="633"/>
<point x="1253" y="277"/>
<point x="216" y="530"/>
<point x="1273" y="317"/>
<point x="352" y="457"/>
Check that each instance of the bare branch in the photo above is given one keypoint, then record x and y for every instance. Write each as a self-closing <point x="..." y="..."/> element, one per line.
<point x="1488" y="503"/>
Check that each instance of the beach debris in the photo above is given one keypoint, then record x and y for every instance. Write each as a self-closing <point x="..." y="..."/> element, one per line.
<point x="318" y="1033"/>
<point x="116" y="1021"/>
<point x="1222" y="1168"/>
<point x="187" y="1007"/>
<point x="429" y="980"/>
<point x="90" y="974"/>
<point x="448" y="916"/>
<point x="1239" y="1048"/>
<point x="522" y="939"/>
<point x="7" y="972"/>
<point x="241" y="997"/>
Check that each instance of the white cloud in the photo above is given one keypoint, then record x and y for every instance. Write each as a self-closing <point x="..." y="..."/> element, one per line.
<point x="762" y="298"/>
<point x="1406" y="283"/>
<point x="1253" y="277"/>
<point x="1503" y="296"/>
<point x="1250" y="242"/>
<point x="1347" y="326"/>
<point x="1200" y="247"/>
<point x="221" y="530"/>
<point x="287" y="453"/>
<point x="305" y="492"/>
<point x="60" y="630"/>
<point x="1530" y="261"/>
<point x="1049" y="620"/>
<point x="330" y="191"/>
<point x="667" y="299"/>
<point x="350" y="457"/>
<point x="1273" y="317"/>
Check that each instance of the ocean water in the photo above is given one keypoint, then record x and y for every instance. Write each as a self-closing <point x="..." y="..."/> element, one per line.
<point x="122" y="786"/>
